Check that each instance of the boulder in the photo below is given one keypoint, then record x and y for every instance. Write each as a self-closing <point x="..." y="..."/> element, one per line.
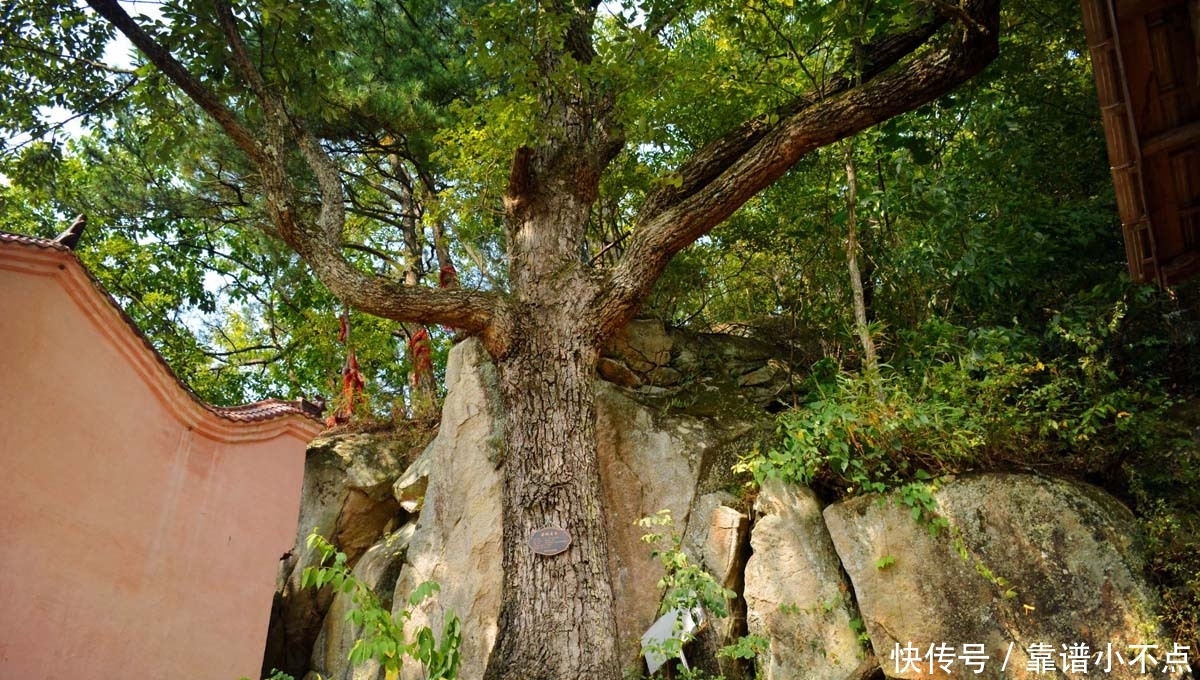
<point x="346" y="497"/>
<point x="722" y="545"/>
<point x="1033" y="573"/>
<point x="456" y="541"/>
<point x="719" y="534"/>
<point x="648" y="462"/>
<point x="690" y="367"/>
<point x="617" y="373"/>
<point x="409" y="488"/>
<point x="795" y="593"/>
<point x="347" y="490"/>
<point x="643" y="345"/>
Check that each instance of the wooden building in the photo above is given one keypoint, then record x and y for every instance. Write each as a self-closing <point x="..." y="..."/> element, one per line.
<point x="1146" y="61"/>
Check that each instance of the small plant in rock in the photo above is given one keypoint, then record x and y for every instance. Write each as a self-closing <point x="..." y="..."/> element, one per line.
<point x="383" y="637"/>
<point x="747" y="647"/>
<point x="687" y="585"/>
<point x="860" y="631"/>
<point x="688" y="588"/>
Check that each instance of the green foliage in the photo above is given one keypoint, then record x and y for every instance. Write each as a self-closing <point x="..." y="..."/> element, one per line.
<point x="177" y="225"/>
<point x="747" y="647"/>
<point x="965" y="205"/>
<point x="1165" y="490"/>
<point x="1105" y="391"/>
<point x="235" y="313"/>
<point x="383" y="638"/>
<point x="431" y="98"/>
<point x="1073" y="399"/>
<point x="686" y="584"/>
<point x="1173" y="545"/>
<point x="50" y="54"/>
<point x="860" y="631"/>
<point x="696" y="674"/>
<point x="858" y="443"/>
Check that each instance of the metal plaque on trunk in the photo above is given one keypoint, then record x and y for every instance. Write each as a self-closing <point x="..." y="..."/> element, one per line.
<point x="549" y="541"/>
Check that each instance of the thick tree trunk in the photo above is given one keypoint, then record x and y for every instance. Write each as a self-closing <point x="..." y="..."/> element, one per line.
<point x="556" y="618"/>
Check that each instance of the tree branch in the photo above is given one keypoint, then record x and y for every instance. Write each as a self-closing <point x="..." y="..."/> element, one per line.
<point x="37" y="134"/>
<point x="706" y="164"/>
<point x="31" y="47"/>
<point x="720" y="178"/>
<point x="374" y="251"/>
<point x="320" y="243"/>
<point x="158" y="55"/>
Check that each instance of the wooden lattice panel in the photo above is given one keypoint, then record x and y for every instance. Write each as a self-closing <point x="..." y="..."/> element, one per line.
<point x="1145" y="60"/>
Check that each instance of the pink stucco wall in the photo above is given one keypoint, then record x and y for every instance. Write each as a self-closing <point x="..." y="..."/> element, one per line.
<point x="139" y="532"/>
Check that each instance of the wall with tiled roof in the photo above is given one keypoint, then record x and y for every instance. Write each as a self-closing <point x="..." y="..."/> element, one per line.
<point x="142" y="528"/>
<point x="61" y="256"/>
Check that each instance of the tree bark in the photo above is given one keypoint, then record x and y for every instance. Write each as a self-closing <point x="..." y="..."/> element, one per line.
<point x="556" y="617"/>
<point x="870" y="365"/>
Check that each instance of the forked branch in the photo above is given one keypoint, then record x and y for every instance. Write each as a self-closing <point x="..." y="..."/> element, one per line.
<point x="319" y="242"/>
<point x="721" y="177"/>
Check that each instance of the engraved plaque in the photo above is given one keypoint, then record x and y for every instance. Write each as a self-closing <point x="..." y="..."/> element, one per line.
<point x="549" y="541"/>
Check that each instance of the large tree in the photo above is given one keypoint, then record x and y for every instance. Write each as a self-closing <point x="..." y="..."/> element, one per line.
<point x="563" y="90"/>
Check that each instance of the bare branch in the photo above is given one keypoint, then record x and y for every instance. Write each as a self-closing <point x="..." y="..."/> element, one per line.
<point x="237" y="350"/>
<point x="957" y="13"/>
<point x="374" y="251"/>
<point x="614" y="243"/>
<point x="31" y="47"/>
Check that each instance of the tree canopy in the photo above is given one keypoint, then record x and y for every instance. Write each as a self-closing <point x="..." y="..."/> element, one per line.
<point x="420" y="105"/>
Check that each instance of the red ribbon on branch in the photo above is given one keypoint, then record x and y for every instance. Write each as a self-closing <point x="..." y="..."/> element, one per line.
<point x="353" y="383"/>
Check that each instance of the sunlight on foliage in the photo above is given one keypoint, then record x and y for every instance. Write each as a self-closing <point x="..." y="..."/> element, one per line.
<point x="383" y="638"/>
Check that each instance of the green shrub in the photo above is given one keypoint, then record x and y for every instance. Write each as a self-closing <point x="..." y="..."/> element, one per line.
<point x="1068" y="400"/>
<point x="686" y="584"/>
<point x="383" y="638"/>
<point x="850" y="441"/>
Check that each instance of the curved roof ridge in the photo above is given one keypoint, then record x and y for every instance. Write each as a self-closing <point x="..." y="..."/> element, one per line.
<point x="36" y="241"/>
<point x="266" y="409"/>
